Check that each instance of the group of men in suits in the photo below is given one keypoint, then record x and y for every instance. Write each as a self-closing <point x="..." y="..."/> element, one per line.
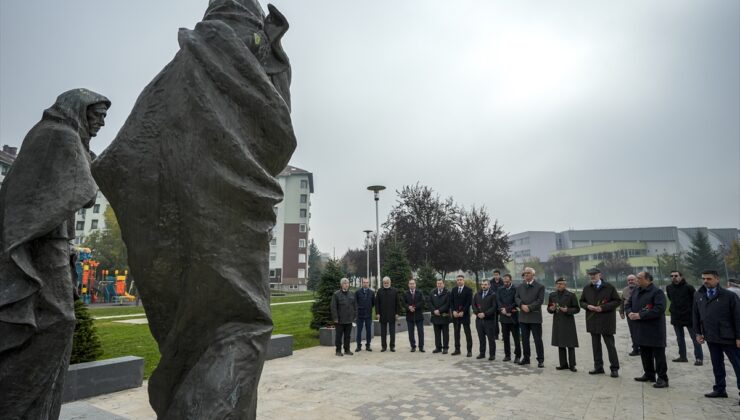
<point x="715" y="319"/>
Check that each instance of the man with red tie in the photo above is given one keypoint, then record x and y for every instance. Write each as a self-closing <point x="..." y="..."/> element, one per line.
<point x="413" y="302"/>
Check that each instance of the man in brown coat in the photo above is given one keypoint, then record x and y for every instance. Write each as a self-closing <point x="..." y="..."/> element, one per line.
<point x="600" y="300"/>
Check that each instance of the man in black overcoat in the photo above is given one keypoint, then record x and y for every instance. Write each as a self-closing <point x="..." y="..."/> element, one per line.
<point x="387" y="308"/>
<point x="681" y="295"/>
<point x="646" y="308"/>
<point x="601" y="300"/>
<point x="460" y="300"/>
<point x="485" y="308"/>
<point x="413" y="301"/>
<point x="530" y="296"/>
<point x="506" y="299"/>
<point x="439" y="303"/>
<point x="563" y="304"/>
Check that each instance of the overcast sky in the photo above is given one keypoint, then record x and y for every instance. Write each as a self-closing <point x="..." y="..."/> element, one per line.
<point x="552" y="114"/>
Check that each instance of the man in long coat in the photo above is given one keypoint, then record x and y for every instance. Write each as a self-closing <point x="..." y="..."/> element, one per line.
<point x="601" y="300"/>
<point x="681" y="295"/>
<point x="485" y="309"/>
<point x="387" y="308"/>
<point x="343" y="312"/>
<point x="439" y="303"/>
<point x="506" y="300"/>
<point x="460" y="300"/>
<point x="530" y="296"/>
<point x="647" y="308"/>
<point x="563" y="304"/>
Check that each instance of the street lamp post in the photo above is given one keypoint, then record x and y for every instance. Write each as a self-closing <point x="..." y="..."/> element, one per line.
<point x="367" y="249"/>
<point x="376" y="189"/>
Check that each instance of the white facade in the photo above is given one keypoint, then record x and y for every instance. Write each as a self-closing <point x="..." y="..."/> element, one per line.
<point x="91" y="219"/>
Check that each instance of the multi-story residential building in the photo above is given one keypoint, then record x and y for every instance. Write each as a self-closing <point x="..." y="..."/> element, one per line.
<point x="90" y="219"/>
<point x="289" y="244"/>
<point x="7" y="157"/>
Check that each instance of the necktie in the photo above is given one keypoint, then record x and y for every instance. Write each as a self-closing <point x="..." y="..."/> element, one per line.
<point x="711" y="293"/>
<point x="484" y="295"/>
<point x="459" y="290"/>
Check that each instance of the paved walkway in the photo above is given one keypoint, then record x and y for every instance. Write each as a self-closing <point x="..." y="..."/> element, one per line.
<point x="315" y="384"/>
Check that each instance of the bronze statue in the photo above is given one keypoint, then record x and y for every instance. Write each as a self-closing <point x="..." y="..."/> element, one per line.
<point x="192" y="178"/>
<point x="44" y="188"/>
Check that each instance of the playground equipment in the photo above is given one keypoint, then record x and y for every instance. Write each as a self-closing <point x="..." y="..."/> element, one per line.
<point x="86" y="268"/>
<point x="113" y="287"/>
<point x="108" y="287"/>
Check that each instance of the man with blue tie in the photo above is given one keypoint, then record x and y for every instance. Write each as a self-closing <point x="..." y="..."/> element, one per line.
<point x="460" y="300"/>
<point x="485" y="308"/>
<point x="413" y="301"/>
<point x="365" y="298"/>
<point x="716" y="318"/>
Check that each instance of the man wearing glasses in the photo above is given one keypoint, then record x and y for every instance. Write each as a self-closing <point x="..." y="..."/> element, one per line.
<point x="600" y="300"/>
<point x="681" y="295"/>
<point x="717" y="321"/>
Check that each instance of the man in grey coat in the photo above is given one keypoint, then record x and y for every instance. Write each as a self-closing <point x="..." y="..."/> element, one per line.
<point x="529" y="298"/>
<point x="343" y="312"/>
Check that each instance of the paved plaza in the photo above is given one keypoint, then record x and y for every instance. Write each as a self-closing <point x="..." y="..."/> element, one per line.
<point x="316" y="384"/>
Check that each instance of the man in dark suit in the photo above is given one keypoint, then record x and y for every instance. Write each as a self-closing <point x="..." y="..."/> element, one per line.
<point x="343" y="314"/>
<point x="601" y="300"/>
<point x="440" y="307"/>
<point x="484" y="308"/>
<point x="460" y="300"/>
<point x="716" y="319"/>
<point x="365" y="298"/>
<point x="530" y="296"/>
<point x="506" y="299"/>
<point x="413" y="301"/>
<point x="646" y="308"/>
<point x="681" y="295"/>
<point x="387" y="308"/>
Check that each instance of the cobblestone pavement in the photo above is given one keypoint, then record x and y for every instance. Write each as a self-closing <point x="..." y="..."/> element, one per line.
<point x="315" y="384"/>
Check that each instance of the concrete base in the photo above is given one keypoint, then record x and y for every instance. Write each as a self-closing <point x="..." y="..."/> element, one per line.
<point x="89" y="379"/>
<point x="328" y="335"/>
<point x="281" y="345"/>
<point x="427" y="318"/>
<point x="400" y="326"/>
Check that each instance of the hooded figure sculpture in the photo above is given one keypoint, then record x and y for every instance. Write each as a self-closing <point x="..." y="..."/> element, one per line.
<point x="191" y="176"/>
<point x="46" y="185"/>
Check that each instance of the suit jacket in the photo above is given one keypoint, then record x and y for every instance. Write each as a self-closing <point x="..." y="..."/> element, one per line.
<point x="365" y="302"/>
<point x="506" y="299"/>
<point x="718" y="318"/>
<point x="487" y="305"/>
<point x="417" y="300"/>
<point x="533" y="296"/>
<point x="387" y="304"/>
<point x="461" y="302"/>
<point x="440" y="301"/>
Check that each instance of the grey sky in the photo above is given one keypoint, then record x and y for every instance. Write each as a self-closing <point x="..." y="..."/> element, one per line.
<point x="553" y="114"/>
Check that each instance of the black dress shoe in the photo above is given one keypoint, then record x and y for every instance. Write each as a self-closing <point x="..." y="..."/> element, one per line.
<point x="393" y="349"/>
<point x="540" y="365"/>
<point x="339" y="353"/>
<point x="615" y="374"/>
<point x="444" y="351"/>
<point x="516" y="360"/>
<point x="470" y="354"/>
<point x="680" y="360"/>
<point x="348" y="353"/>
<point x="436" y="351"/>
<point x="455" y="353"/>
<point x="507" y="359"/>
<point x="644" y="378"/>
<point x="524" y="362"/>
<point x="634" y="353"/>
<point x="715" y="394"/>
<point x="492" y="358"/>
<point x="421" y="350"/>
<point x="573" y="369"/>
<point x="358" y="349"/>
<point x="368" y="349"/>
<point x="660" y="383"/>
<point x="699" y="363"/>
<point x="413" y="349"/>
<point x="481" y="356"/>
<point x="596" y="372"/>
<point x="383" y="349"/>
<point x="562" y="367"/>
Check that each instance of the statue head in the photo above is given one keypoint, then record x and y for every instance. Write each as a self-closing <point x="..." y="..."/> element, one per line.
<point x="82" y="109"/>
<point x="261" y="34"/>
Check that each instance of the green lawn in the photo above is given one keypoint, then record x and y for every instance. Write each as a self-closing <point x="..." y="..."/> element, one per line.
<point x="97" y="311"/>
<point x="293" y="297"/>
<point x="127" y="339"/>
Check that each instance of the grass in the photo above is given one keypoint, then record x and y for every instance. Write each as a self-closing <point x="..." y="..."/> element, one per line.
<point x="293" y="297"/>
<point x="128" y="339"/>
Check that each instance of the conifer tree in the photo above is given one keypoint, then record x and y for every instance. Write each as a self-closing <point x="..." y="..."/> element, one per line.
<point x="701" y="256"/>
<point x="86" y="345"/>
<point x="329" y="283"/>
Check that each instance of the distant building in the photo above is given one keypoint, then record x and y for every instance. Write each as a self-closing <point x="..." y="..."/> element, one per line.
<point x="7" y="157"/>
<point x="91" y="219"/>
<point x="289" y="243"/>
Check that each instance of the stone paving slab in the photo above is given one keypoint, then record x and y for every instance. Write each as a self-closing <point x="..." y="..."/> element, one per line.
<point x="316" y="384"/>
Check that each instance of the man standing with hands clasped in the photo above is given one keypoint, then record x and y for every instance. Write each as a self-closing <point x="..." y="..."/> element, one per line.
<point x="440" y="306"/>
<point x="484" y="308"/>
<point x="365" y="300"/>
<point x="529" y="298"/>
<point x="717" y="321"/>
<point x="413" y="300"/>
<point x="600" y="300"/>
<point x="626" y="293"/>
<point x="343" y="312"/>
<point x="460" y="301"/>
<point x="563" y="305"/>
<point x="681" y="295"/>
<point x="646" y="308"/>
<point x="387" y="307"/>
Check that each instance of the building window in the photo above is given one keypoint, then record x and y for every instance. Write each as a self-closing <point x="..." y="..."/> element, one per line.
<point x="272" y="274"/>
<point x="273" y="242"/>
<point x="96" y="208"/>
<point x="273" y="257"/>
<point x="304" y="184"/>
<point x="93" y="224"/>
<point x="81" y="212"/>
<point x="275" y="209"/>
<point x="302" y="228"/>
<point x="302" y="258"/>
<point x="80" y="225"/>
<point x="5" y="169"/>
<point x="304" y="198"/>
<point x="301" y="243"/>
<point x="301" y="273"/>
<point x="303" y="213"/>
